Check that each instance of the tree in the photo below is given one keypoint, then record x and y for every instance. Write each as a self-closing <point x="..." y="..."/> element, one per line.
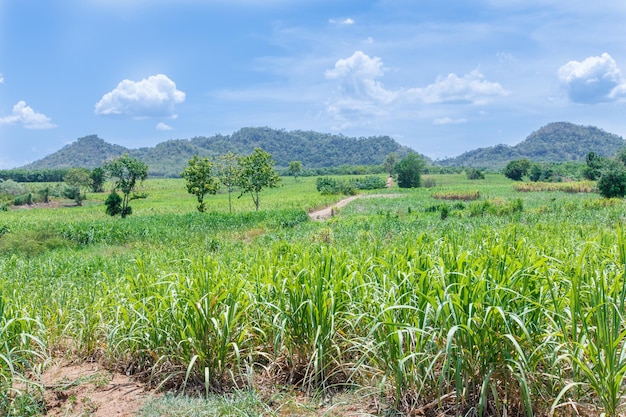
<point x="126" y="172"/>
<point x="295" y="169"/>
<point x="256" y="173"/>
<point x="516" y="169"/>
<point x="612" y="181"/>
<point x="409" y="171"/>
<point x="390" y="162"/>
<point x="98" y="176"/>
<point x="78" y="180"/>
<point x="113" y="204"/>
<point x="594" y="165"/>
<point x="228" y="173"/>
<point x="201" y="179"/>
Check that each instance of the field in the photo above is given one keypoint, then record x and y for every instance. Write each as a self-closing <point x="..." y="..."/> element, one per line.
<point x="466" y="298"/>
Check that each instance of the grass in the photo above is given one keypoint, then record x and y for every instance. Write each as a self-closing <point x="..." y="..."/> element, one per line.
<point x="509" y="304"/>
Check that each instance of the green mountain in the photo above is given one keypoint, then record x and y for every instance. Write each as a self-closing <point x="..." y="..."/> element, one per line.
<point x="555" y="142"/>
<point x="313" y="149"/>
<point x="87" y="152"/>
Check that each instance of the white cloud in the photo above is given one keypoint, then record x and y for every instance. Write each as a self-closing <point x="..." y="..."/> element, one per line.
<point x="154" y="96"/>
<point x="163" y="126"/>
<point x="595" y="79"/>
<point x="1" y="78"/>
<point x="26" y="116"/>
<point x="357" y="78"/>
<point x="346" y="21"/>
<point x="449" y="121"/>
<point x="469" y="89"/>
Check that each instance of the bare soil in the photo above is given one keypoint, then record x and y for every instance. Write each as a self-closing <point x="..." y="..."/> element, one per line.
<point x="86" y="389"/>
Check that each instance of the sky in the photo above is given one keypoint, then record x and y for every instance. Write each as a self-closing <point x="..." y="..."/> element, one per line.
<point x="442" y="77"/>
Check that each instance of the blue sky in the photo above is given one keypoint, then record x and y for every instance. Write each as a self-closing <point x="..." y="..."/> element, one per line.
<point x="440" y="77"/>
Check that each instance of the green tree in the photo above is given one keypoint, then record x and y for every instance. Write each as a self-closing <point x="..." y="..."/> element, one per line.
<point x="390" y="162"/>
<point x="78" y="180"/>
<point x="409" y="171"/>
<point x="98" y="176"/>
<point x="256" y="173"/>
<point x="295" y="169"/>
<point x="594" y="165"/>
<point x="113" y="204"/>
<point x="228" y="173"/>
<point x="612" y="181"/>
<point x="126" y="172"/>
<point x="516" y="169"/>
<point x="201" y="180"/>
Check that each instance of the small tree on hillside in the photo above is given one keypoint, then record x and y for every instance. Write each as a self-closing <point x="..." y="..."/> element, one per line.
<point x="126" y="172"/>
<point x="256" y="173"/>
<point x="409" y="171"/>
<point x="228" y="173"/>
<point x="295" y="169"/>
<point x="201" y="179"/>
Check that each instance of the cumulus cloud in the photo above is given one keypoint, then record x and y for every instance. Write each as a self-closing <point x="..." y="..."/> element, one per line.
<point x="155" y="96"/>
<point x="1" y="78"/>
<point x="27" y="117"/>
<point x="163" y="126"/>
<point x="359" y="92"/>
<point x="470" y="89"/>
<point x="596" y="79"/>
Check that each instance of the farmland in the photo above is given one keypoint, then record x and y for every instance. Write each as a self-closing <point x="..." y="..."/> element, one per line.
<point x="506" y="303"/>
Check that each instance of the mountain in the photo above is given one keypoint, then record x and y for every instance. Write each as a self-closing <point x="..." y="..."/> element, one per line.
<point x="313" y="149"/>
<point x="88" y="152"/>
<point x="555" y="142"/>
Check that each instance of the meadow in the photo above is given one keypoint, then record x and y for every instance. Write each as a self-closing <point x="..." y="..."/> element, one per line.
<point x="470" y="297"/>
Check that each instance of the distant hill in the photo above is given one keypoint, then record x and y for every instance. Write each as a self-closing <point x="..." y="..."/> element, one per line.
<point x="313" y="149"/>
<point x="555" y="142"/>
<point x="87" y="152"/>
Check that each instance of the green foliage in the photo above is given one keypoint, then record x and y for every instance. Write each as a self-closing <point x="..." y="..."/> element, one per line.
<point x="98" y="177"/>
<point x="612" y="182"/>
<point x="201" y="179"/>
<point x="73" y="193"/>
<point x="390" y="162"/>
<point x="126" y="172"/>
<point x="516" y="170"/>
<point x="332" y="186"/>
<point x="295" y="169"/>
<point x="409" y="171"/>
<point x="370" y="182"/>
<point x="228" y="174"/>
<point x="474" y="174"/>
<point x="113" y="204"/>
<point x="256" y="173"/>
<point x="13" y="188"/>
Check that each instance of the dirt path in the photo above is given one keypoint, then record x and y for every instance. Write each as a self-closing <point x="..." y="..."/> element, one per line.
<point x="328" y="212"/>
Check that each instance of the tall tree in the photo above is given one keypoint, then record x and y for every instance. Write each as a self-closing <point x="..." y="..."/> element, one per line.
<point x="295" y="169"/>
<point x="98" y="176"/>
<point x="228" y="173"/>
<point x="256" y="173"/>
<point x="409" y="171"/>
<point x="390" y="162"/>
<point x="201" y="179"/>
<point x="78" y="181"/>
<point x="516" y="169"/>
<point x="126" y="172"/>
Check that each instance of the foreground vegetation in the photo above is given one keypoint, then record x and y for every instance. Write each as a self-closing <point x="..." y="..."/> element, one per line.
<point x="505" y="303"/>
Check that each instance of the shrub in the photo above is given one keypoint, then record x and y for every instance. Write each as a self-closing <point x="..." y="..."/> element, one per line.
<point x="612" y="182"/>
<point x="474" y="174"/>
<point x="371" y="182"/>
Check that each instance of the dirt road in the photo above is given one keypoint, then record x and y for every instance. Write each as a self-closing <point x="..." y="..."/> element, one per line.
<point x="328" y="212"/>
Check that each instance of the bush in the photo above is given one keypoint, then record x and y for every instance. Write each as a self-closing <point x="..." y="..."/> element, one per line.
<point x="13" y="188"/>
<point x="327" y="186"/>
<point x="113" y="204"/>
<point x="612" y="182"/>
<point x="371" y="182"/>
<point x="474" y="174"/>
<point x="23" y="199"/>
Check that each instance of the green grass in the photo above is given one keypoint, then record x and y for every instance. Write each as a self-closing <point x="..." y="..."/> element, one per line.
<point x="511" y="303"/>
